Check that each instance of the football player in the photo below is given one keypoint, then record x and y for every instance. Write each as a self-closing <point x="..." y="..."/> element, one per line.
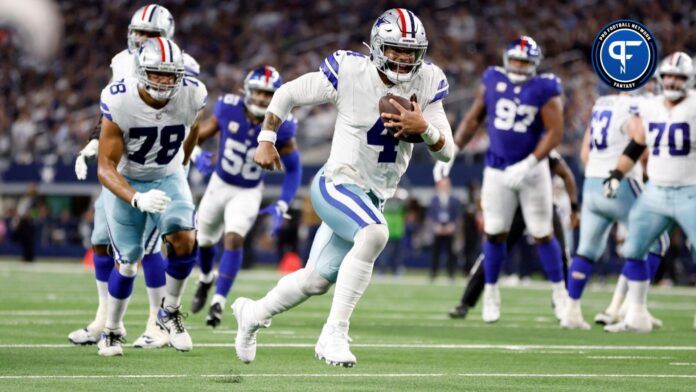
<point x="363" y="170"/>
<point x="662" y="124"/>
<point x="475" y="285"/>
<point x="233" y="197"/>
<point x="149" y="21"/>
<point x="605" y="139"/>
<point x="524" y="119"/>
<point x="147" y="131"/>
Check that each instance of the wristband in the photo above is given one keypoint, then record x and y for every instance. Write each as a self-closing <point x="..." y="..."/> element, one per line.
<point x="267" y="136"/>
<point x="431" y="135"/>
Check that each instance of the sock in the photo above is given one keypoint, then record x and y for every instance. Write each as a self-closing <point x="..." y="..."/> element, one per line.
<point x="638" y="273"/>
<point x="206" y="257"/>
<point x="230" y="263"/>
<point x="550" y="256"/>
<point x="493" y="258"/>
<point x="285" y="295"/>
<point x="578" y="274"/>
<point x="155" y="279"/>
<point x="654" y="261"/>
<point x="103" y="265"/>
<point x="619" y="294"/>
<point x="178" y="270"/>
<point x="120" y="290"/>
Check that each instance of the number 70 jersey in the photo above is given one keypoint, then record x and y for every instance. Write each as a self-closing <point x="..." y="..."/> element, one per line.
<point x="152" y="137"/>
<point x="670" y="139"/>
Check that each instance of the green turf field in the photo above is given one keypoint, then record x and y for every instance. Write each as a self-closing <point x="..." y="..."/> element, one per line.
<point x="401" y="336"/>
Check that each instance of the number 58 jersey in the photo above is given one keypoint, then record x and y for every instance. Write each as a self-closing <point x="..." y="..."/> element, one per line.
<point x="513" y="113"/>
<point x="238" y="142"/>
<point x="671" y="145"/>
<point x="152" y="137"/>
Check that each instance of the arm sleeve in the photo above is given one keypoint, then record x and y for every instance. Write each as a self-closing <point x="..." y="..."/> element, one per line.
<point x="293" y="176"/>
<point x="96" y="130"/>
<point x="435" y="115"/>
<point x="309" y="89"/>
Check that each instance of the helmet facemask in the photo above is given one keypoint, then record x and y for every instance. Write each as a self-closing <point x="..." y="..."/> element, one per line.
<point x="393" y="66"/>
<point x="160" y="91"/>
<point x="673" y="86"/>
<point x="516" y="72"/>
<point x="257" y="100"/>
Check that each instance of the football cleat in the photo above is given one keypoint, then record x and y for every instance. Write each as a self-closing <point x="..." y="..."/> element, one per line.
<point x="559" y="302"/>
<point x="572" y="317"/>
<point x="459" y="311"/>
<point x="110" y="344"/>
<point x="201" y="296"/>
<point x="491" y="303"/>
<point x="171" y="321"/>
<point x="637" y="320"/>
<point x="656" y="322"/>
<point x="90" y="334"/>
<point x="333" y="345"/>
<point x="214" y="315"/>
<point x="605" y="318"/>
<point x="247" y="328"/>
<point x="153" y="337"/>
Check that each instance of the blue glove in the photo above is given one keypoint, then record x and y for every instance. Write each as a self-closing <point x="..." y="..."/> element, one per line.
<point x="279" y="212"/>
<point x="204" y="162"/>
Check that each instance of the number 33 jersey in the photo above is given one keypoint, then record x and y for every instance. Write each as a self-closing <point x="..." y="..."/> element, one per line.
<point x="513" y="113"/>
<point x="152" y="137"/>
<point x="238" y="143"/>
<point x="671" y="145"/>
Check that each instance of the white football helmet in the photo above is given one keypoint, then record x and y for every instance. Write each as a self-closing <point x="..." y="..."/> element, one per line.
<point x="159" y="55"/>
<point x="679" y="64"/>
<point x="151" y="18"/>
<point x="398" y="28"/>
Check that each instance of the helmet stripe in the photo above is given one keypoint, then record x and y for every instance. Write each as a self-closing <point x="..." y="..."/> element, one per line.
<point x="413" y="24"/>
<point x="267" y="73"/>
<point x="671" y="59"/>
<point x="403" y="22"/>
<point x="171" y="51"/>
<point x="145" y="11"/>
<point x="678" y="58"/>
<point x="159" y="39"/>
<point x="152" y="13"/>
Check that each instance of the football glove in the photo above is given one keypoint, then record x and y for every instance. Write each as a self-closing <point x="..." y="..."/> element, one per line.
<point x="612" y="183"/>
<point x="203" y="160"/>
<point x="88" y="153"/>
<point x="153" y="201"/>
<point x="278" y="212"/>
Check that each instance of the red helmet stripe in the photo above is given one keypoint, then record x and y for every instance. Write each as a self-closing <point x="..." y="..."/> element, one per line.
<point x="268" y="74"/>
<point x="145" y="11"/>
<point x="164" y="56"/>
<point x="402" y="18"/>
<point x="523" y="43"/>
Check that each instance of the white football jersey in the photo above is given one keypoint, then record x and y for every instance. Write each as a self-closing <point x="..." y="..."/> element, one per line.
<point x="672" y="147"/>
<point x="362" y="152"/>
<point x="608" y="136"/>
<point x="123" y="65"/>
<point x="152" y="137"/>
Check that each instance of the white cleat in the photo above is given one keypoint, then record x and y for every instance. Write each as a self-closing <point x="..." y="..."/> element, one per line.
<point x="170" y="320"/>
<point x="333" y="345"/>
<point x="491" y="303"/>
<point x="572" y="318"/>
<point x="153" y="337"/>
<point x="559" y="302"/>
<point x="90" y="334"/>
<point x="606" y="318"/>
<point x="656" y="322"/>
<point x="247" y="328"/>
<point x="637" y="320"/>
<point x="110" y="344"/>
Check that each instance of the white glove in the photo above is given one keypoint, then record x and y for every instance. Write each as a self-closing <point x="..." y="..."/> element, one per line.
<point x="89" y="152"/>
<point x="611" y="184"/>
<point x="442" y="169"/>
<point x="515" y="174"/>
<point x="154" y="201"/>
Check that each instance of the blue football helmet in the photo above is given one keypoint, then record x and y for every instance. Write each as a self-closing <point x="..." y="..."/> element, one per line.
<point x="525" y="49"/>
<point x="263" y="78"/>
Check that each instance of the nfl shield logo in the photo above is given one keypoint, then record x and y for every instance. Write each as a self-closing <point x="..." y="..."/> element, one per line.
<point x="233" y="126"/>
<point x="500" y="87"/>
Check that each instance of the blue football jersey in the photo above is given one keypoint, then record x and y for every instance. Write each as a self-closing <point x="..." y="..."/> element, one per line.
<point x="513" y="114"/>
<point x="238" y="143"/>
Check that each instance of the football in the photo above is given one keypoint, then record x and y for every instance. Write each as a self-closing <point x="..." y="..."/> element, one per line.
<point x="386" y="107"/>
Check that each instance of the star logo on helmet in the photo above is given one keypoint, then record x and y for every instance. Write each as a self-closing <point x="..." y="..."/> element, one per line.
<point x="380" y="21"/>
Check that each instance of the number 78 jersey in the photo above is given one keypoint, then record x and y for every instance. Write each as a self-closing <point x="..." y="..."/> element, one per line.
<point x="671" y="145"/>
<point x="152" y="137"/>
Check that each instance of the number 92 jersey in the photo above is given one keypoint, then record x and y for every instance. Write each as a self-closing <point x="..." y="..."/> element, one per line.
<point x="238" y="143"/>
<point x="513" y="114"/>
<point x="672" y="148"/>
<point x="152" y="137"/>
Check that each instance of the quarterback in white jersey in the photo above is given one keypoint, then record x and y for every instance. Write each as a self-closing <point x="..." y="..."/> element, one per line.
<point x="151" y="20"/>
<point x="362" y="171"/>
<point x="147" y="131"/>
<point x="605" y="140"/>
<point x="663" y="125"/>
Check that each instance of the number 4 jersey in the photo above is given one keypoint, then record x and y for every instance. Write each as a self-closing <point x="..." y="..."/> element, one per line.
<point x="238" y="143"/>
<point x="514" y="114"/>
<point x="672" y="149"/>
<point x="152" y="137"/>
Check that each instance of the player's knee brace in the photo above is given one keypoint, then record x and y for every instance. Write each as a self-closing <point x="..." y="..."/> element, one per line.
<point x="128" y="269"/>
<point x="370" y="241"/>
<point x="313" y="284"/>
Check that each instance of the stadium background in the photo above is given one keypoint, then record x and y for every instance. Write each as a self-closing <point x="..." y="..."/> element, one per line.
<point x="49" y="108"/>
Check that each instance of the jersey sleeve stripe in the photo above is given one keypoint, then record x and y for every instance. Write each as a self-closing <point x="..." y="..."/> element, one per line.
<point x="329" y="75"/>
<point x="443" y="84"/>
<point x="103" y="106"/>
<point x="105" y="111"/>
<point x="440" y="95"/>
<point x="333" y="63"/>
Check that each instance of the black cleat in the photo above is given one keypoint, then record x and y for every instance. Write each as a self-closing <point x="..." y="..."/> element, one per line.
<point x="214" y="315"/>
<point x="459" y="311"/>
<point x="201" y="296"/>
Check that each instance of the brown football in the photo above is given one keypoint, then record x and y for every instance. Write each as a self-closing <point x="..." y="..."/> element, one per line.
<point x="386" y="107"/>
